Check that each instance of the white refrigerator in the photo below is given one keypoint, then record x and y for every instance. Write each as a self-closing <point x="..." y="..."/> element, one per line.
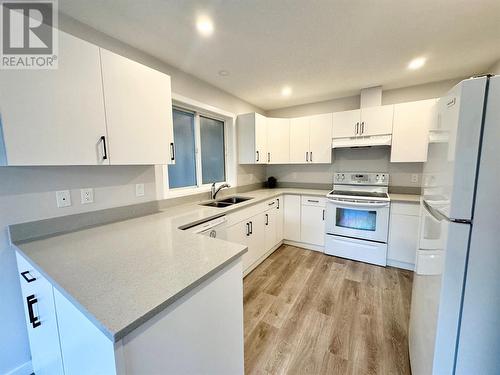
<point x="455" y="308"/>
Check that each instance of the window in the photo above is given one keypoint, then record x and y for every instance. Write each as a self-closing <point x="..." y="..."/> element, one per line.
<point x="199" y="150"/>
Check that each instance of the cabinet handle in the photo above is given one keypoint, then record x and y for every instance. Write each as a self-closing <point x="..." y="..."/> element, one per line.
<point x="267" y="219"/>
<point x="248" y="229"/>
<point x="356" y="128"/>
<point x="311" y="156"/>
<point x="29" y="280"/>
<point x="251" y="228"/>
<point x="278" y="206"/>
<point x="362" y="128"/>
<point x="257" y="152"/>
<point x="312" y="201"/>
<point x="268" y="157"/>
<point x="307" y="156"/>
<point x="104" y="149"/>
<point x="270" y="203"/>
<point x="172" y="151"/>
<point x="34" y="320"/>
<point x="323" y="215"/>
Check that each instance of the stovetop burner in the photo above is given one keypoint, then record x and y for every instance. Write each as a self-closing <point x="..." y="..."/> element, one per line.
<point x="359" y="194"/>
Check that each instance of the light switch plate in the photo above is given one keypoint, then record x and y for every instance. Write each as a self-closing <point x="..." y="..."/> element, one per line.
<point x="139" y="190"/>
<point x="63" y="198"/>
<point x="87" y="195"/>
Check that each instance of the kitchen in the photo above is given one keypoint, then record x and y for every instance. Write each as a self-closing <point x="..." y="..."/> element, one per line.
<point x="108" y="260"/>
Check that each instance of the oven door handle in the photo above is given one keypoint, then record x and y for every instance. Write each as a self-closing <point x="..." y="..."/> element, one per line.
<point x="360" y="204"/>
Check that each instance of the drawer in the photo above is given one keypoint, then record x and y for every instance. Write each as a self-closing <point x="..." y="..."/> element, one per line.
<point x="249" y="211"/>
<point x="402" y="208"/>
<point x="308" y="200"/>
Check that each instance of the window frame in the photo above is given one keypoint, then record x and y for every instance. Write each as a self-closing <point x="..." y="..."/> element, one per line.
<point x="200" y="109"/>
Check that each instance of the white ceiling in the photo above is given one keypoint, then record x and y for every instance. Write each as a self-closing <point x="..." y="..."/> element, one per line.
<point x="322" y="48"/>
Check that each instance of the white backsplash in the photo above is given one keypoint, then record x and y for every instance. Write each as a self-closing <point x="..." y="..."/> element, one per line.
<point x="372" y="159"/>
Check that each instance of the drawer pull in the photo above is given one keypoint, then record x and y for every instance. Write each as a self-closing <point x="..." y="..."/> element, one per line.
<point x="270" y="204"/>
<point x="30" y="279"/>
<point x="34" y="320"/>
<point x="312" y="201"/>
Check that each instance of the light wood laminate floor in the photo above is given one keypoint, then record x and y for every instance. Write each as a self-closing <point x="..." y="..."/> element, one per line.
<point x="309" y="313"/>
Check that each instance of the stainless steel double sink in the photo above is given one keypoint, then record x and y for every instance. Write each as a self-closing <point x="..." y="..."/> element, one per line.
<point x="226" y="202"/>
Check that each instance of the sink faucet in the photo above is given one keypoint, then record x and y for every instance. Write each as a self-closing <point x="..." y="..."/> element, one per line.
<point x="213" y="192"/>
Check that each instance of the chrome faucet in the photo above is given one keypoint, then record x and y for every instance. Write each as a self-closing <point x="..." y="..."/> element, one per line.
<point x="213" y="191"/>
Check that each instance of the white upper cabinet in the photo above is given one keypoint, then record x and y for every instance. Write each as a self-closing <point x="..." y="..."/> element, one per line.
<point x="252" y="139"/>
<point x="138" y="106"/>
<point x="410" y="132"/>
<point x="346" y="123"/>
<point x="299" y="140"/>
<point x="278" y="140"/>
<point x="320" y="138"/>
<point x="55" y="117"/>
<point x="311" y="139"/>
<point x="376" y="120"/>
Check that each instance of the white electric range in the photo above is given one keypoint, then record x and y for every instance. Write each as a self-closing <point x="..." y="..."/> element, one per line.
<point x="357" y="217"/>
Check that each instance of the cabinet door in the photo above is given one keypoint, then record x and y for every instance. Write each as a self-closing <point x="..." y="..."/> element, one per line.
<point x="55" y="117"/>
<point x="403" y="239"/>
<point x="346" y="124"/>
<point x="320" y="138"/>
<point x="291" y="218"/>
<point x="279" y="219"/>
<point x="260" y="139"/>
<point x="239" y="233"/>
<point x="138" y="111"/>
<point x="43" y="334"/>
<point x="278" y="140"/>
<point x="312" y="225"/>
<point x="299" y="140"/>
<point x="257" y="237"/>
<point x="270" y="228"/>
<point x="376" y="120"/>
<point x="410" y="131"/>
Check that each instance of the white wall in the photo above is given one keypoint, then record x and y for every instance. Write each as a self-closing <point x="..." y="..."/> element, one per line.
<point x="495" y="68"/>
<point x="28" y="194"/>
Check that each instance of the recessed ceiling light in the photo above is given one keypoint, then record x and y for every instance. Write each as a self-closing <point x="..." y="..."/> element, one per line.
<point x="417" y="63"/>
<point x="205" y="25"/>
<point x="286" y="91"/>
<point x="223" y="73"/>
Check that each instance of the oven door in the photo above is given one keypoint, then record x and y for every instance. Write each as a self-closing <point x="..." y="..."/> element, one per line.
<point x="358" y="219"/>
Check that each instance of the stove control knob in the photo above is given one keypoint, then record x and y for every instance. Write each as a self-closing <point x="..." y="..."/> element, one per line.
<point x="383" y="177"/>
<point x="343" y="177"/>
<point x="377" y="177"/>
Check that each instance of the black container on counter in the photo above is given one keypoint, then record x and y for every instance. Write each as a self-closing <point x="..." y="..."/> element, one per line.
<point x="271" y="182"/>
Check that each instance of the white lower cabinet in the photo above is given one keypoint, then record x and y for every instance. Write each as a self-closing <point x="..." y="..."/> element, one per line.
<point x="403" y="235"/>
<point x="64" y="341"/>
<point x="312" y="220"/>
<point x="41" y="320"/>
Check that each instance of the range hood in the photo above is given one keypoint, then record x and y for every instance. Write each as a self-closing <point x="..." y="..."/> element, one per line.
<point x="375" y="140"/>
<point x="370" y="97"/>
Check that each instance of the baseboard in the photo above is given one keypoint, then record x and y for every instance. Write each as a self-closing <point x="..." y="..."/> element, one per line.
<point x="261" y="259"/>
<point x="403" y="265"/>
<point x="307" y="246"/>
<point x="24" y="369"/>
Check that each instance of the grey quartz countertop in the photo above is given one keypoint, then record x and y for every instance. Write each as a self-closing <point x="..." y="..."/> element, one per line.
<point x="123" y="273"/>
<point x="408" y="198"/>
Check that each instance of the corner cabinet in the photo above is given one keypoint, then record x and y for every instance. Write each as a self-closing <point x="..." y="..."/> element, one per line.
<point x="96" y="108"/>
<point x="252" y="139"/>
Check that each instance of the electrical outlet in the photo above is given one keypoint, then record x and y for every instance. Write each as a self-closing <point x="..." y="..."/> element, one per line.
<point x="139" y="190"/>
<point x="87" y="195"/>
<point x="414" y="178"/>
<point x="63" y="198"/>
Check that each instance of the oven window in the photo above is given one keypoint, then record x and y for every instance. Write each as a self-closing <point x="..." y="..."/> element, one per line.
<point x="356" y="219"/>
